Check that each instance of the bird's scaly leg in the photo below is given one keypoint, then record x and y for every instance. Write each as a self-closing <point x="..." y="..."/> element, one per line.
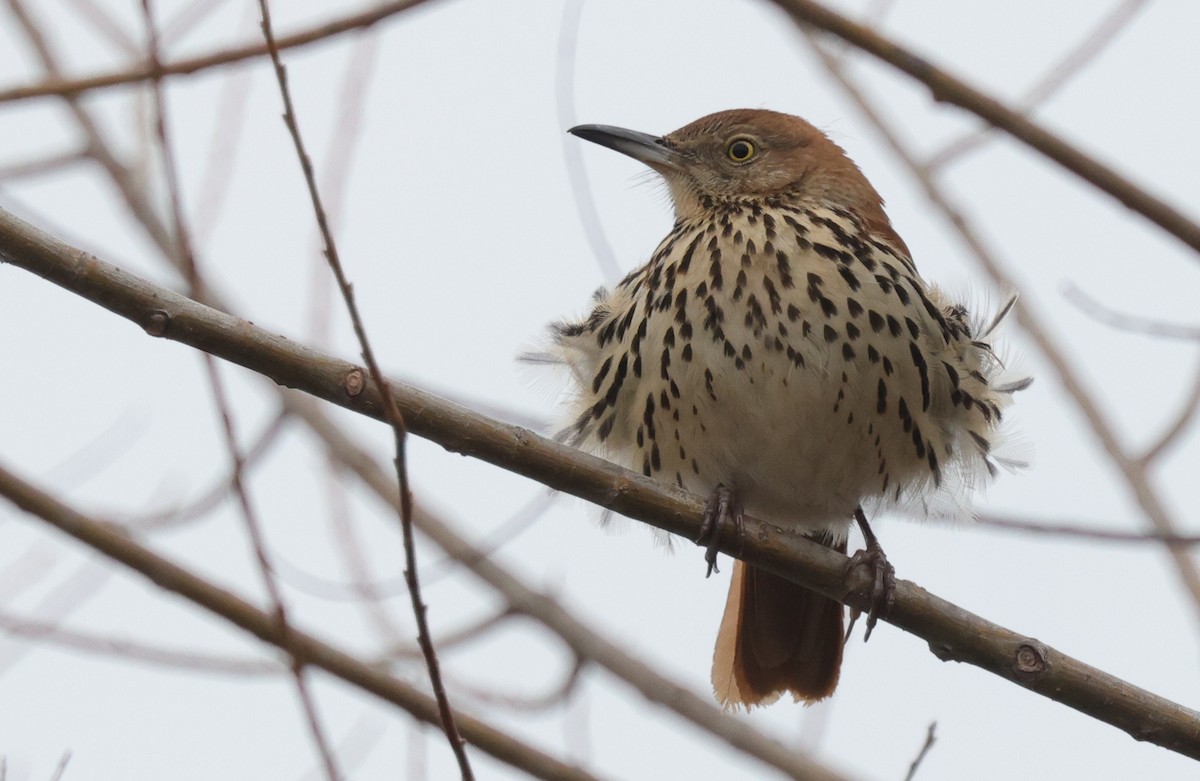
<point x="721" y="509"/>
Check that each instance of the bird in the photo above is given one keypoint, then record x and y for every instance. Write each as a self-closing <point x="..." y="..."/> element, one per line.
<point x="780" y="354"/>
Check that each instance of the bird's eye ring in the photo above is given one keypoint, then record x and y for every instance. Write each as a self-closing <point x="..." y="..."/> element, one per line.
<point x="740" y="150"/>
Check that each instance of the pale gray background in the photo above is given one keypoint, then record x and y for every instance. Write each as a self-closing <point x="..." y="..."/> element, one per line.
<point x="460" y="230"/>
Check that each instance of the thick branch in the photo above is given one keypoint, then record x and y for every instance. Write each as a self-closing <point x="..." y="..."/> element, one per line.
<point x="953" y="633"/>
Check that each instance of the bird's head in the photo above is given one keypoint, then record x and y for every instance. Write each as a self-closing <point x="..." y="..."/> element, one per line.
<point x="748" y="154"/>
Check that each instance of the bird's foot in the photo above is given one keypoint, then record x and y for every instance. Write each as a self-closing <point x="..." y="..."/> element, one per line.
<point x="883" y="587"/>
<point x="721" y="509"/>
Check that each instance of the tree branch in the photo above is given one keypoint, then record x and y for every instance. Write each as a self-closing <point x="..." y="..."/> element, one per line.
<point x="953" y="633"/>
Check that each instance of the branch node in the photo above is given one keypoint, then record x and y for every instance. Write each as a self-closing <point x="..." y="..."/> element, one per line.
<point x="1030" y="661"/>
<point x="354" y="382"/>
<point x="943" y="652"/>
<point x="157" y="323"/>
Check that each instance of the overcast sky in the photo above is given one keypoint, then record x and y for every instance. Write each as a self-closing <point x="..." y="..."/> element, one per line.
<point x="460" y="226"/>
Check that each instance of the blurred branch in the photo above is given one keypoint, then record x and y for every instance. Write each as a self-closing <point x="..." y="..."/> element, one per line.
<point x="1127" y="322"/>
<point x="42" y="631"/>
<point x="930" y="739"/>
<point x="1085" y="532"/>
<point x="953" y="633"/>
<point x="60" y="86"/>
<point x="40" y="166"/>
<point x="529" y="703"/>
<point x="948" y="89"/>
<point x="299" y="645"/>
<point x="178" y="515"/>
<point x="1183" y="419"/>
<point x="1068" y="66"/>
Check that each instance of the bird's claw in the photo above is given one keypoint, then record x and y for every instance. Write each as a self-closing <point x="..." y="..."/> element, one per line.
<point x="883" y="587"/>
<point x="721" y="508"/>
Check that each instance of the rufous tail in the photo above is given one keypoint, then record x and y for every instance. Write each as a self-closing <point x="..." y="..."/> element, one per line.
<point x="776" y="637"/>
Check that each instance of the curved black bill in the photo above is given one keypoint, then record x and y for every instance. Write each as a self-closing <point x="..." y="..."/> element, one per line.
<point x="643" y="147"/>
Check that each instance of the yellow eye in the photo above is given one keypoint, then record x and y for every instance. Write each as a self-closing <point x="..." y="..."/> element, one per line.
<point x="740" y="150"/>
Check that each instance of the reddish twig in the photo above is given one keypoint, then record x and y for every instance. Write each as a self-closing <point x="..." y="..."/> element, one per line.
<point x="391" y="411"/>
<point x="187" y="260"/>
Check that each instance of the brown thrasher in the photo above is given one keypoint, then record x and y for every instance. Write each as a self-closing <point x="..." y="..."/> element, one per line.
<point x="781" y="353"/>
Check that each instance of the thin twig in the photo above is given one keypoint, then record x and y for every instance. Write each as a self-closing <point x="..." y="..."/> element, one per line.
<point x="1055" y="79"/>
<point x="187" y="19"/>
<point x="1127" y="322"/>
<point x="946" y="88"/>
<point x="50" y="163"/>
<point x="59" y="86"/>
<point x="62" y="767"/>
<point x="525" y="702"/>
<point x="1060" y="529"/>
<point x="42" y="631"/>
<point x="391" y="411"/>
<point x="253" y="527"/>
<point x="179" y="515"/>
<point x="1131" y="469"/>
<point x="1183" y="419"/>
<point x="104" y="23"/>
<point x="916" y="763"/>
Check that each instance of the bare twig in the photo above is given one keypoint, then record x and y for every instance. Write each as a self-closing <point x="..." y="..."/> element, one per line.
<point x="253" y="527"/>
<point x="928" y="744"/>
<point x="40" y="166"/>
<point x="1127" y="322"/>
<point x="1071" y="64"/>
<point x="59" y="86"/>
<point x="1183" y="419"/>
<point x="103" y="22"/>
<point x="115" y="545"/>
<point x="949" y="89"/>
<point x="1085" y="532"/>
<point x="554" y="697"/>
<point x="62" y="767"/>
<point x="391" y="411"/>
<point x="187" y="19"/>
<point x="952" y="632"/>
<point x="42" y="631"/>
<point x="1131" y="469"/>
<point x="172" y="517"/>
